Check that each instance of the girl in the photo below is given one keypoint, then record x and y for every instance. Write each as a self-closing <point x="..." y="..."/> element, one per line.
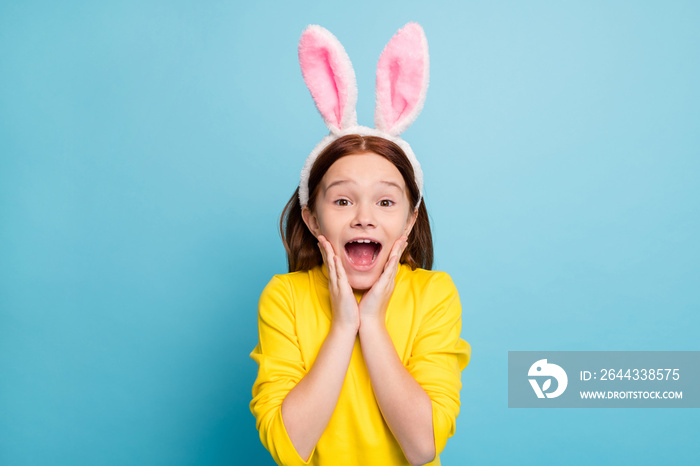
<point x="359" y="347"/>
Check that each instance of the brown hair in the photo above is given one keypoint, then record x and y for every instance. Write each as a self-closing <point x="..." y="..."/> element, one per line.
<point x="301" y="245"/>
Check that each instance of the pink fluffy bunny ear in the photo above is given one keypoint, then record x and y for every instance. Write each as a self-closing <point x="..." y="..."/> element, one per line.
<point x="402" y="80"/>
<point x="329" y="75"/>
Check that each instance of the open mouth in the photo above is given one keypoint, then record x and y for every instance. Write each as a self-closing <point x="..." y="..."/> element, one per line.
<point x="362" y="252"/>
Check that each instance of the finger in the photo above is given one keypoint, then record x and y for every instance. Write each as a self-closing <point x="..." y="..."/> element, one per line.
<point x="389" y="268"/>
<point x="328" y="260"/>
<point x="323" y="251"/>
<point x="398" y="246"/>
<point x="324" y="248"/>
<point x="342" y="277"/>
<point x="392" y="265"/>
<point x="393" y="269"/>
<point x="395" y="252"/>
<point x="330" y="252"/>
<point x="330" y="263"/>
<point x="403" y="249"/>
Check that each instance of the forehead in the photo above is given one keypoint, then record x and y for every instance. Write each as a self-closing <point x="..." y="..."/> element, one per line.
<point x="366" y="168"/>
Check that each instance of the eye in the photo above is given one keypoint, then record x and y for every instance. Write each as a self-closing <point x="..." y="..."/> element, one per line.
<point x="386" y="203"/>
<point x="341" y="202"/>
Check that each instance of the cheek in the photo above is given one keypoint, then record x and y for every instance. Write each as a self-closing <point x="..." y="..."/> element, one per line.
<point x="328" y="224"/>
<point x="402" y="223"/>
<point x="409" y="224"/>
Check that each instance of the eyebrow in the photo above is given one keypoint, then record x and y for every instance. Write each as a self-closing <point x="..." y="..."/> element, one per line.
<point x="388" y="183"/>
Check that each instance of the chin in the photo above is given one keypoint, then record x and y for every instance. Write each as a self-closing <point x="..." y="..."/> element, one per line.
<point x="363" y="283"/>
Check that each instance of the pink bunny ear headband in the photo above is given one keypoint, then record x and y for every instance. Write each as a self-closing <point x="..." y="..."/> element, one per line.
<point x="402" y="82"/>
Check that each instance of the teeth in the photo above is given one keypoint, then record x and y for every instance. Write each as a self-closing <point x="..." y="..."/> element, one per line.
<point x="362" y="241"/>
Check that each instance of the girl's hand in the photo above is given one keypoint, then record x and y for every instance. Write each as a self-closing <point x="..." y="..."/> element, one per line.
<point x="343" y="302"/>
<point x="374" y="303"/>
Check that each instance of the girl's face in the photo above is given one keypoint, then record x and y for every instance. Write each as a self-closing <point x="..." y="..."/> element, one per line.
<point x="362" y="208"/>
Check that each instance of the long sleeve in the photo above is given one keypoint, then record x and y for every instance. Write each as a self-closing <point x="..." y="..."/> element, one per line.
<point x="294" y="318"/>
<point x="280" y="368"/>
<point x="439" y="355"/>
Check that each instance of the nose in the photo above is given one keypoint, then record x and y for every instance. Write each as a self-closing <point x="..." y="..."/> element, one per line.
<point x="364" y="216"/>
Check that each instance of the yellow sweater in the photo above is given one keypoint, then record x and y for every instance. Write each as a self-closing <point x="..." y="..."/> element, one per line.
<point x="294" y="317"/>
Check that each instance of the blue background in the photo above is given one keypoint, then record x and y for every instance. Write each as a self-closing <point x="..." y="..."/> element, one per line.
<point x="148" y="148"/>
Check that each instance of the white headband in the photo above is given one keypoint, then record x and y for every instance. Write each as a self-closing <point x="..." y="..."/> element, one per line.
<point x="402" y="83"/>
